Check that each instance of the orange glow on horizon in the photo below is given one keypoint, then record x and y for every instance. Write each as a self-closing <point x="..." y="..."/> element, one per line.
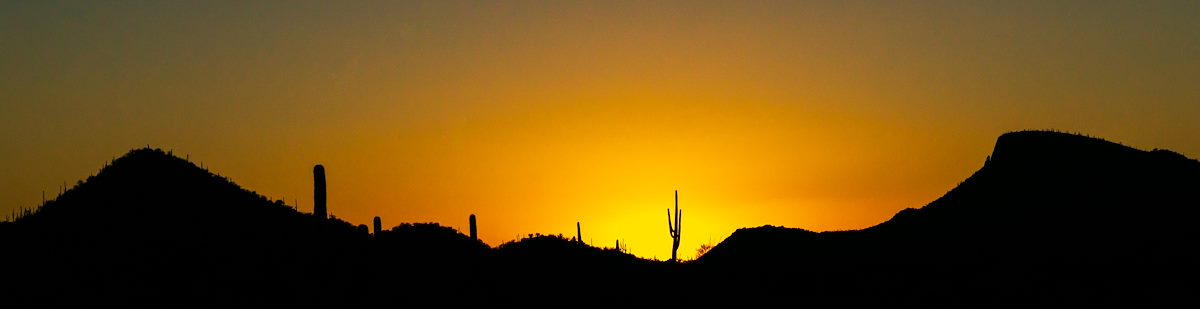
<point x="535" y="116"/>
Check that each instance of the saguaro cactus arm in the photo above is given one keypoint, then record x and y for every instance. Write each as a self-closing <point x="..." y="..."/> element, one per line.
<point x="670" y="224"/>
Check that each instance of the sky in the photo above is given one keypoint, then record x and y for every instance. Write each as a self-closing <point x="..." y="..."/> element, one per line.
<point x="535" y="115"/>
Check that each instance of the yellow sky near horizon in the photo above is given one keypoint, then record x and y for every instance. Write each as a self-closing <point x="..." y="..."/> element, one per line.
<point x="535" y="115"/>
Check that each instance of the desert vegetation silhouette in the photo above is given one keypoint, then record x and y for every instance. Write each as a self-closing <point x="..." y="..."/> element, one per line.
<point x="1050" y="218"/>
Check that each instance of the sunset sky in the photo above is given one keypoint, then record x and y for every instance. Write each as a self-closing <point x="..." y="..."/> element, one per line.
<point x="535" y="115"/>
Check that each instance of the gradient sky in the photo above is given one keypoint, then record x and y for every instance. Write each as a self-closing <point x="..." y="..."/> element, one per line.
<point x="823" y="115"/>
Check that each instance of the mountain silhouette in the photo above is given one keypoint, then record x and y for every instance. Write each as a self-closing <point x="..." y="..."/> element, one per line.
<point x="1041" y="197"/>
<point x="1083" y="215"/>
<point x="153" y="227"/>
<point x="152" y="230"/>
<point x="1051" y="219"/>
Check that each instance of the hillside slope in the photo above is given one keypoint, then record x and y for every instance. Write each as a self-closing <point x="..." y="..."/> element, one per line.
<point x="152" y="229"/>
<point x="1051" y="219"/>
<point x="1042" y="197"/>
<point x="151" y="225"/>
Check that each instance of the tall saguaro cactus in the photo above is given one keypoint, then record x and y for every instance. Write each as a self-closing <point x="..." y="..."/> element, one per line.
<point x="319" y="192"/>
<point x="674" y="228"/>
<point x="578" y="233"/>
<point x="474" y="231"/>
<point x="378" y="225"/>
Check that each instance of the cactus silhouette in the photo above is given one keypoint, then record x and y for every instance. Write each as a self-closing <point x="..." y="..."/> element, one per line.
<point x="474" y="232"/>
<point x="319" y="192"/>
<point x="674" y="229"/>
<point x="578" y="233"/>
<point x="378" y="225"/>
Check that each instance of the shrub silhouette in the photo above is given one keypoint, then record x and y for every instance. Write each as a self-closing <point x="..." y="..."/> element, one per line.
<point x="702" y="250"/>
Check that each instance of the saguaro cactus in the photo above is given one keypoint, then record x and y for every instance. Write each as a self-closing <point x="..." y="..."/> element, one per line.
<point x="319" y="192"/>
<point x="378" y="225"/>
<point x="474" y="232"/>
<point x="674" y="229"/>
<point x="578" y="233"/>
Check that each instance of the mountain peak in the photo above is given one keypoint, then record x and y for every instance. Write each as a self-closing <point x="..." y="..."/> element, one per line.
<point x="153" y="186"/>
<point x="1041" y="147"/>
<point x="152" y="160"/>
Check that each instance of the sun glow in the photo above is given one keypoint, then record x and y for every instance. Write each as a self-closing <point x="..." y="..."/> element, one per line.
<point x="816" y="115"/>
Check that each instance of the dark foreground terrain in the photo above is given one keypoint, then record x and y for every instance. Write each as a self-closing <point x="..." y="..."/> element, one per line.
<point x="1050" y="220"/>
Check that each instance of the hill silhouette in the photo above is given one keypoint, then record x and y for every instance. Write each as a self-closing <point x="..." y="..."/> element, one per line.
<point x="1068" y="216"/>
<point x="1052" y="219"/>
<point x="152" y="229"/>
<point x="152" y="226"/>
<point x="1042" y="197"/>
